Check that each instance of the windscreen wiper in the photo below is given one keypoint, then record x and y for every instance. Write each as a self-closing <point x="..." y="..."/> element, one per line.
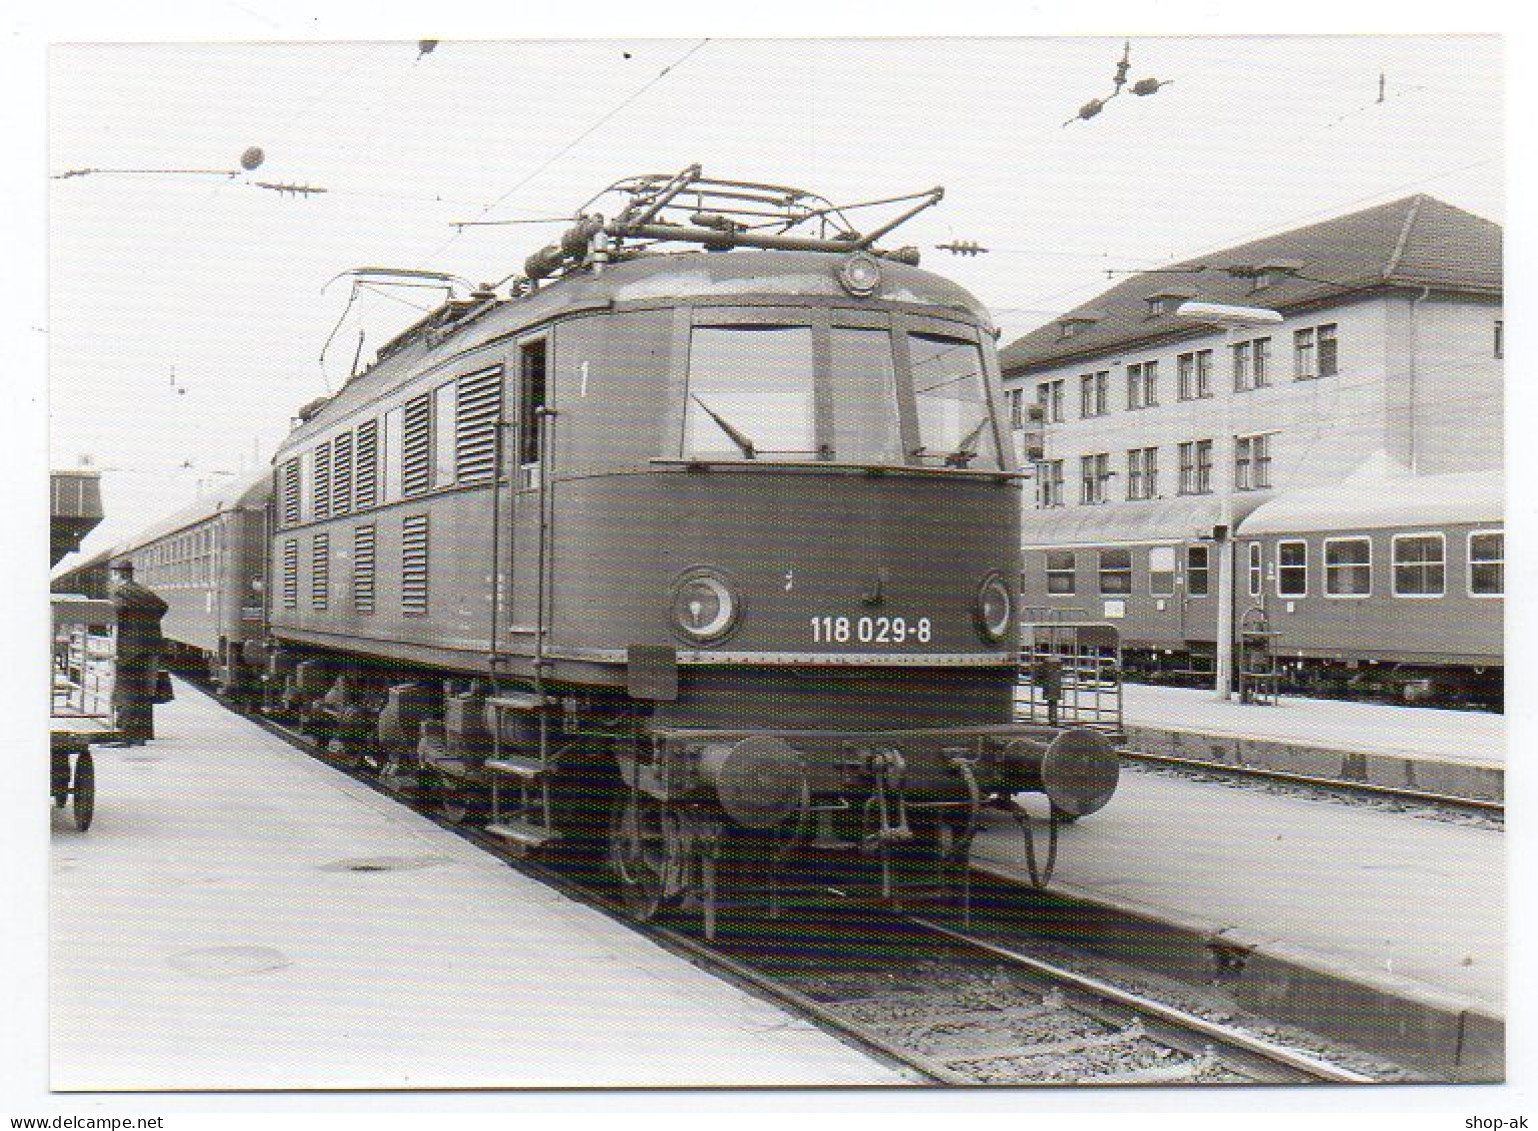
<point x="742" y="442"/>
<point x="964" y="454"/>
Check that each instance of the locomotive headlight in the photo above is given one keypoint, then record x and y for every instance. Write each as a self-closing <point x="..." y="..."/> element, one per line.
<point x="995" y="608"/>
<point x="704" y="606"/>
<point x="860" y="274"/>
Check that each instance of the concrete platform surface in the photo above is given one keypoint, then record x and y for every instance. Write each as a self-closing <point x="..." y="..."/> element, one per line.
<point x="1477" y="737"/>
<point x="1416" y="906"/>
<point x="213" y="930"/>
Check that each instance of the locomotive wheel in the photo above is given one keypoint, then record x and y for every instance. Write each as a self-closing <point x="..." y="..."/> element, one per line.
<point x="638" y="852"/>
<point x="85" y="790"/>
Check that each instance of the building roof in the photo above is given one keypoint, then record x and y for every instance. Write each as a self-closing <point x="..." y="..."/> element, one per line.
<point x="1415" y="242"/>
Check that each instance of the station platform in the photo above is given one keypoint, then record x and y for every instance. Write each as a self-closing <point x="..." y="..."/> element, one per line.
<point x="1350" y="917"/>
<point x="1456" y="753"/>
<point x="241" y="916"/>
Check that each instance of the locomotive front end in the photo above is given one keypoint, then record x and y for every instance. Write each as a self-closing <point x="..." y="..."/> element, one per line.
<point x="826" y="621"/>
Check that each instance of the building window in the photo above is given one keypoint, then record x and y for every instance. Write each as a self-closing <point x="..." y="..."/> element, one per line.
<point x="1161" y="571"/>
<point x="1115" y="571"/>
<point x="1252" y="362"/>
<point x="1292" y="569"/>
<point x="1315" y="352"/>
<point x="1256" y="568"/>
<point x="1143" y="385"/>
<point x="1194" y="375"/>
<point x="1049" y="395"/>
<point x="1016" y="408"/>
<point x="1142" y="473"/>
<point x="1094" y="389"/>
<point x="1347" y="567"/>
<point x="1252" y="462"/>
<point x="1487" y="563"/>
<point x="1061" y="568"/>
<point x="1420" y="565"/>
<point x="1198" y="573"/>
<point x="1094" y="474"/>
<point x="1051" y="482"/>
<point x="1196" y="467"/>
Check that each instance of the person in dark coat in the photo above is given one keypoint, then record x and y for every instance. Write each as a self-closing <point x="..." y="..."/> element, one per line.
<point x="138" y="655"/>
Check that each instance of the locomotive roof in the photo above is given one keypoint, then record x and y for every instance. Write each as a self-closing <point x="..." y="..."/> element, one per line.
<point x="1378" y="495"/>
<point x="239" y="494"/>
<point x="661" y="278"/>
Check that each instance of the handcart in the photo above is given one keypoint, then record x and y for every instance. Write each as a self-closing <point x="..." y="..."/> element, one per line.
<point x="80" y="714"/>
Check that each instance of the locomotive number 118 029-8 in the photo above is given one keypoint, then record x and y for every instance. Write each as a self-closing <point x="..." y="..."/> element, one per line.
<point x="870" y="630"/>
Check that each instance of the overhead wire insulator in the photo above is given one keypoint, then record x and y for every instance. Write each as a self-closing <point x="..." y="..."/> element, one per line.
<point x="1149" y="86"/>
<point x="1087" y="111"/>
<point x="963" y="247"/>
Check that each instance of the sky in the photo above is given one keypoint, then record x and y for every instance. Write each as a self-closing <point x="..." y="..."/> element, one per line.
<point x="187" y="314"/>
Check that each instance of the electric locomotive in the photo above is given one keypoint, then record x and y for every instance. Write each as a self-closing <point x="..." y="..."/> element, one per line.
<point x="704" y="557"/>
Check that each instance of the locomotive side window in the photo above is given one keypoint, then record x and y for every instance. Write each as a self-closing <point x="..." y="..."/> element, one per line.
<point x="1420" y="565"/>
<point x="1198" y="572"/>
<point x="394" y="435"/>
<point x="1487" y="563"/>
<point x="865" y="420"/>
<point x="951" y="400"/>
<point x="531" y="398"/>
<point x="1257" y="568"/>
<point x="443" y="435"/>
<point x="1348" y="567"/>
<point x="1060" y="572"/>
<point x="1292" y="569"/>
<point x="1115" y="571"/>
<point x="750" y="393"/>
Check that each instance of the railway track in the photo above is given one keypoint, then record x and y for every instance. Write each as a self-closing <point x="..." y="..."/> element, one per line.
<point x="943" y="1004"/>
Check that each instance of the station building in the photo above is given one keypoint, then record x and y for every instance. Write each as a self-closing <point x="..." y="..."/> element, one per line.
<point x="1163" y="432"/>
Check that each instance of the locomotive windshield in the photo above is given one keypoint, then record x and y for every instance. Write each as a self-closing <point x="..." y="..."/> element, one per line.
<point x="753" y="393"/>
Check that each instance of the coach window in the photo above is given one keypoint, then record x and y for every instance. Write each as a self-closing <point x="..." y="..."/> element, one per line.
<point x="443" y="435"/>
<point x="1487" y="563"/>
<point x="1198" y="571"/>
<point x="1257" y="568"/>
<point x="1161" y="571"/>
<point x="1347" y="567"/>
<point x="951" y="400"/>
<point x="390" y="456"/>
<point x="1420" y="565"/>
<point x="1292" y="569"/>
<point x="1060" y="572"/>
<point x="1115" y="571"/>
<point x="865" y="421"/>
